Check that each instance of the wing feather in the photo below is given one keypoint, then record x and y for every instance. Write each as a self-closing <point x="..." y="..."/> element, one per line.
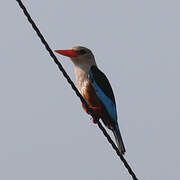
<point x="103" y="90"/>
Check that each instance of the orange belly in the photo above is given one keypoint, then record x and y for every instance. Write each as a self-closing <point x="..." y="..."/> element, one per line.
<point x="93" y="101"/>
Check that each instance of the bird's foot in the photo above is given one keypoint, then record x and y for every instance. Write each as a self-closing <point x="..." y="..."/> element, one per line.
<point x="96" y="111"/>
<point x="95" y="121"/>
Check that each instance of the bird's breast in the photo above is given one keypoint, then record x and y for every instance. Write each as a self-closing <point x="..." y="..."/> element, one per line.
<point x="81" y="79"/>
<point x="89" y="94"/>
<point x="85" y="87"/>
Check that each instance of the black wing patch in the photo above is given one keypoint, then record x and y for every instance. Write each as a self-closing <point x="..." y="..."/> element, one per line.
<point x="102" y="81"/>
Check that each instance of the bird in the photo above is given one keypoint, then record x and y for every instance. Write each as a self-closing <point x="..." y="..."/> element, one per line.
<point x="95" y="88"/>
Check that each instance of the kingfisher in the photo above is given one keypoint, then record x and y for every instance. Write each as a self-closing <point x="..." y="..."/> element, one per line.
<point x="95" y="89"/>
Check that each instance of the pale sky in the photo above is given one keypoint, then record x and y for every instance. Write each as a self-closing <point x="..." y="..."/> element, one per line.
<point x="45" y="134"/>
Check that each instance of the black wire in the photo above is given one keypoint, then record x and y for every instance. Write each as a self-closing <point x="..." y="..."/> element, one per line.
<point x="74" y="87"/>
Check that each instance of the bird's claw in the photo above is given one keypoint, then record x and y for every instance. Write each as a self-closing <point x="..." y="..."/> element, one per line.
<point x="95" y="121"/>
<point x="96" y="108"/>
<point x="96" y="111"/>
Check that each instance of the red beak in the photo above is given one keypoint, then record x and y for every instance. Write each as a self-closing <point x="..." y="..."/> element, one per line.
<point x="67" y="52"/>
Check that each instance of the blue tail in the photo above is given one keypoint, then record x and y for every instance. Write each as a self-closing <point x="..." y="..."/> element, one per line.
<point x="119" y="140"/>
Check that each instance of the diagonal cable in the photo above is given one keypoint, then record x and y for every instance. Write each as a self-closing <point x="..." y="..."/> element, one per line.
<point x="74" y="87"/>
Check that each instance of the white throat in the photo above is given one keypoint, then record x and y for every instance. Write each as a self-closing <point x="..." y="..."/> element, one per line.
<point x="81" y="73"/>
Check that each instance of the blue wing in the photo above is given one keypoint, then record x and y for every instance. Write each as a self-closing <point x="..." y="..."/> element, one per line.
<point x="104" y="91"/>
<point x="105" y="94"/>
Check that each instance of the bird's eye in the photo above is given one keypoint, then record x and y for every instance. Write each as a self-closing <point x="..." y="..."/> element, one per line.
<point x="81" y="52"/>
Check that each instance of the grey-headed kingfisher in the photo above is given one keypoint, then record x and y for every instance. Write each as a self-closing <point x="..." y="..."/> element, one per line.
<point x="96" y="89"/>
